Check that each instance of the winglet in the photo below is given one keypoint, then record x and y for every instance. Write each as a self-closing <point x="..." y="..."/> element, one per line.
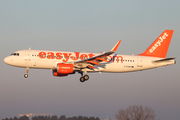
<point x="116" y="46"/>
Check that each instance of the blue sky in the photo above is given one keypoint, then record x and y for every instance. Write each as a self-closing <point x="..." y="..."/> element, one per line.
<point x="88" y="26"/>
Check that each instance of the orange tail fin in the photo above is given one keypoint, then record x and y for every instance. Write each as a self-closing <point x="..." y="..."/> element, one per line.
<point x="160" y="46"/>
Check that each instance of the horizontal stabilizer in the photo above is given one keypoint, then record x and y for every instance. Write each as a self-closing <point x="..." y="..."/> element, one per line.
<point x="163" y="60"/>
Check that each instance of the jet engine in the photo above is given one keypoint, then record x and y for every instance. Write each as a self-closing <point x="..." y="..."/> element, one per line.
<point x="63" y="69"/>
<point x="55" y="73"/>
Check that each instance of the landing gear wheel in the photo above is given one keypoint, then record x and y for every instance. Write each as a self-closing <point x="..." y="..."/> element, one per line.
<point x="82" y="79"/>
<point x="86" y="77"/>
<point x="25" y="75"/>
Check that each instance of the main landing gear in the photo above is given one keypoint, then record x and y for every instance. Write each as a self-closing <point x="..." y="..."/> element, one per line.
<point x="27" y="70"/>
<point x="84" y="78"/>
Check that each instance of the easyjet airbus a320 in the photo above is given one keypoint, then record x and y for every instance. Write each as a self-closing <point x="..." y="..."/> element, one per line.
<point x="64" y="63"/>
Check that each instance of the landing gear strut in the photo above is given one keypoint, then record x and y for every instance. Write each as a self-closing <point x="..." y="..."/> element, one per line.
<point x="84" y="78"/>
<point x="27" y="70"/>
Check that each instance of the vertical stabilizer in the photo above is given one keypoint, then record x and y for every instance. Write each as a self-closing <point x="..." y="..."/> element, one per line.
<point x="160" y="46"/>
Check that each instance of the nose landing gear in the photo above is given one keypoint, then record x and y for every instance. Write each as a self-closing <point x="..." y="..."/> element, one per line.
<point x="25" y="75"/>
<point x="27" y="70"/>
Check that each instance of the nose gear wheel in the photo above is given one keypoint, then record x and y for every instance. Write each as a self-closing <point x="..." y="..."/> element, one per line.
<point x="25" y="75"/>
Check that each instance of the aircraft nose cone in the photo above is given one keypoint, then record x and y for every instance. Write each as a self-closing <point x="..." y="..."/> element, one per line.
<point x="7" y="60"/>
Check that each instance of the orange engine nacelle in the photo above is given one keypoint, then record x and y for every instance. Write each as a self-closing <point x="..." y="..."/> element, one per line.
<point x="64" y="68"/>
<point x="55" y="73"/>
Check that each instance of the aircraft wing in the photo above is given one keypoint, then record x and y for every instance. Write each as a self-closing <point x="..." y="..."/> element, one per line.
<point x="90" y="62"/>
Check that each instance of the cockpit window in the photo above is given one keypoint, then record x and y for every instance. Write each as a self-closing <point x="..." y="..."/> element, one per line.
<point x="15" y="54"/>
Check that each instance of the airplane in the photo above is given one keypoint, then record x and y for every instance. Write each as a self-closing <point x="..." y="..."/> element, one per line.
<point x="63" y="63"/>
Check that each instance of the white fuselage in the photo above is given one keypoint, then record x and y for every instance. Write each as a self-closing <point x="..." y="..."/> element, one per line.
<point x="43" y="59"/>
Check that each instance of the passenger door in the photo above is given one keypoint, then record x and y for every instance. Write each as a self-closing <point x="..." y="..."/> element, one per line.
<point x="139" y="62"/>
